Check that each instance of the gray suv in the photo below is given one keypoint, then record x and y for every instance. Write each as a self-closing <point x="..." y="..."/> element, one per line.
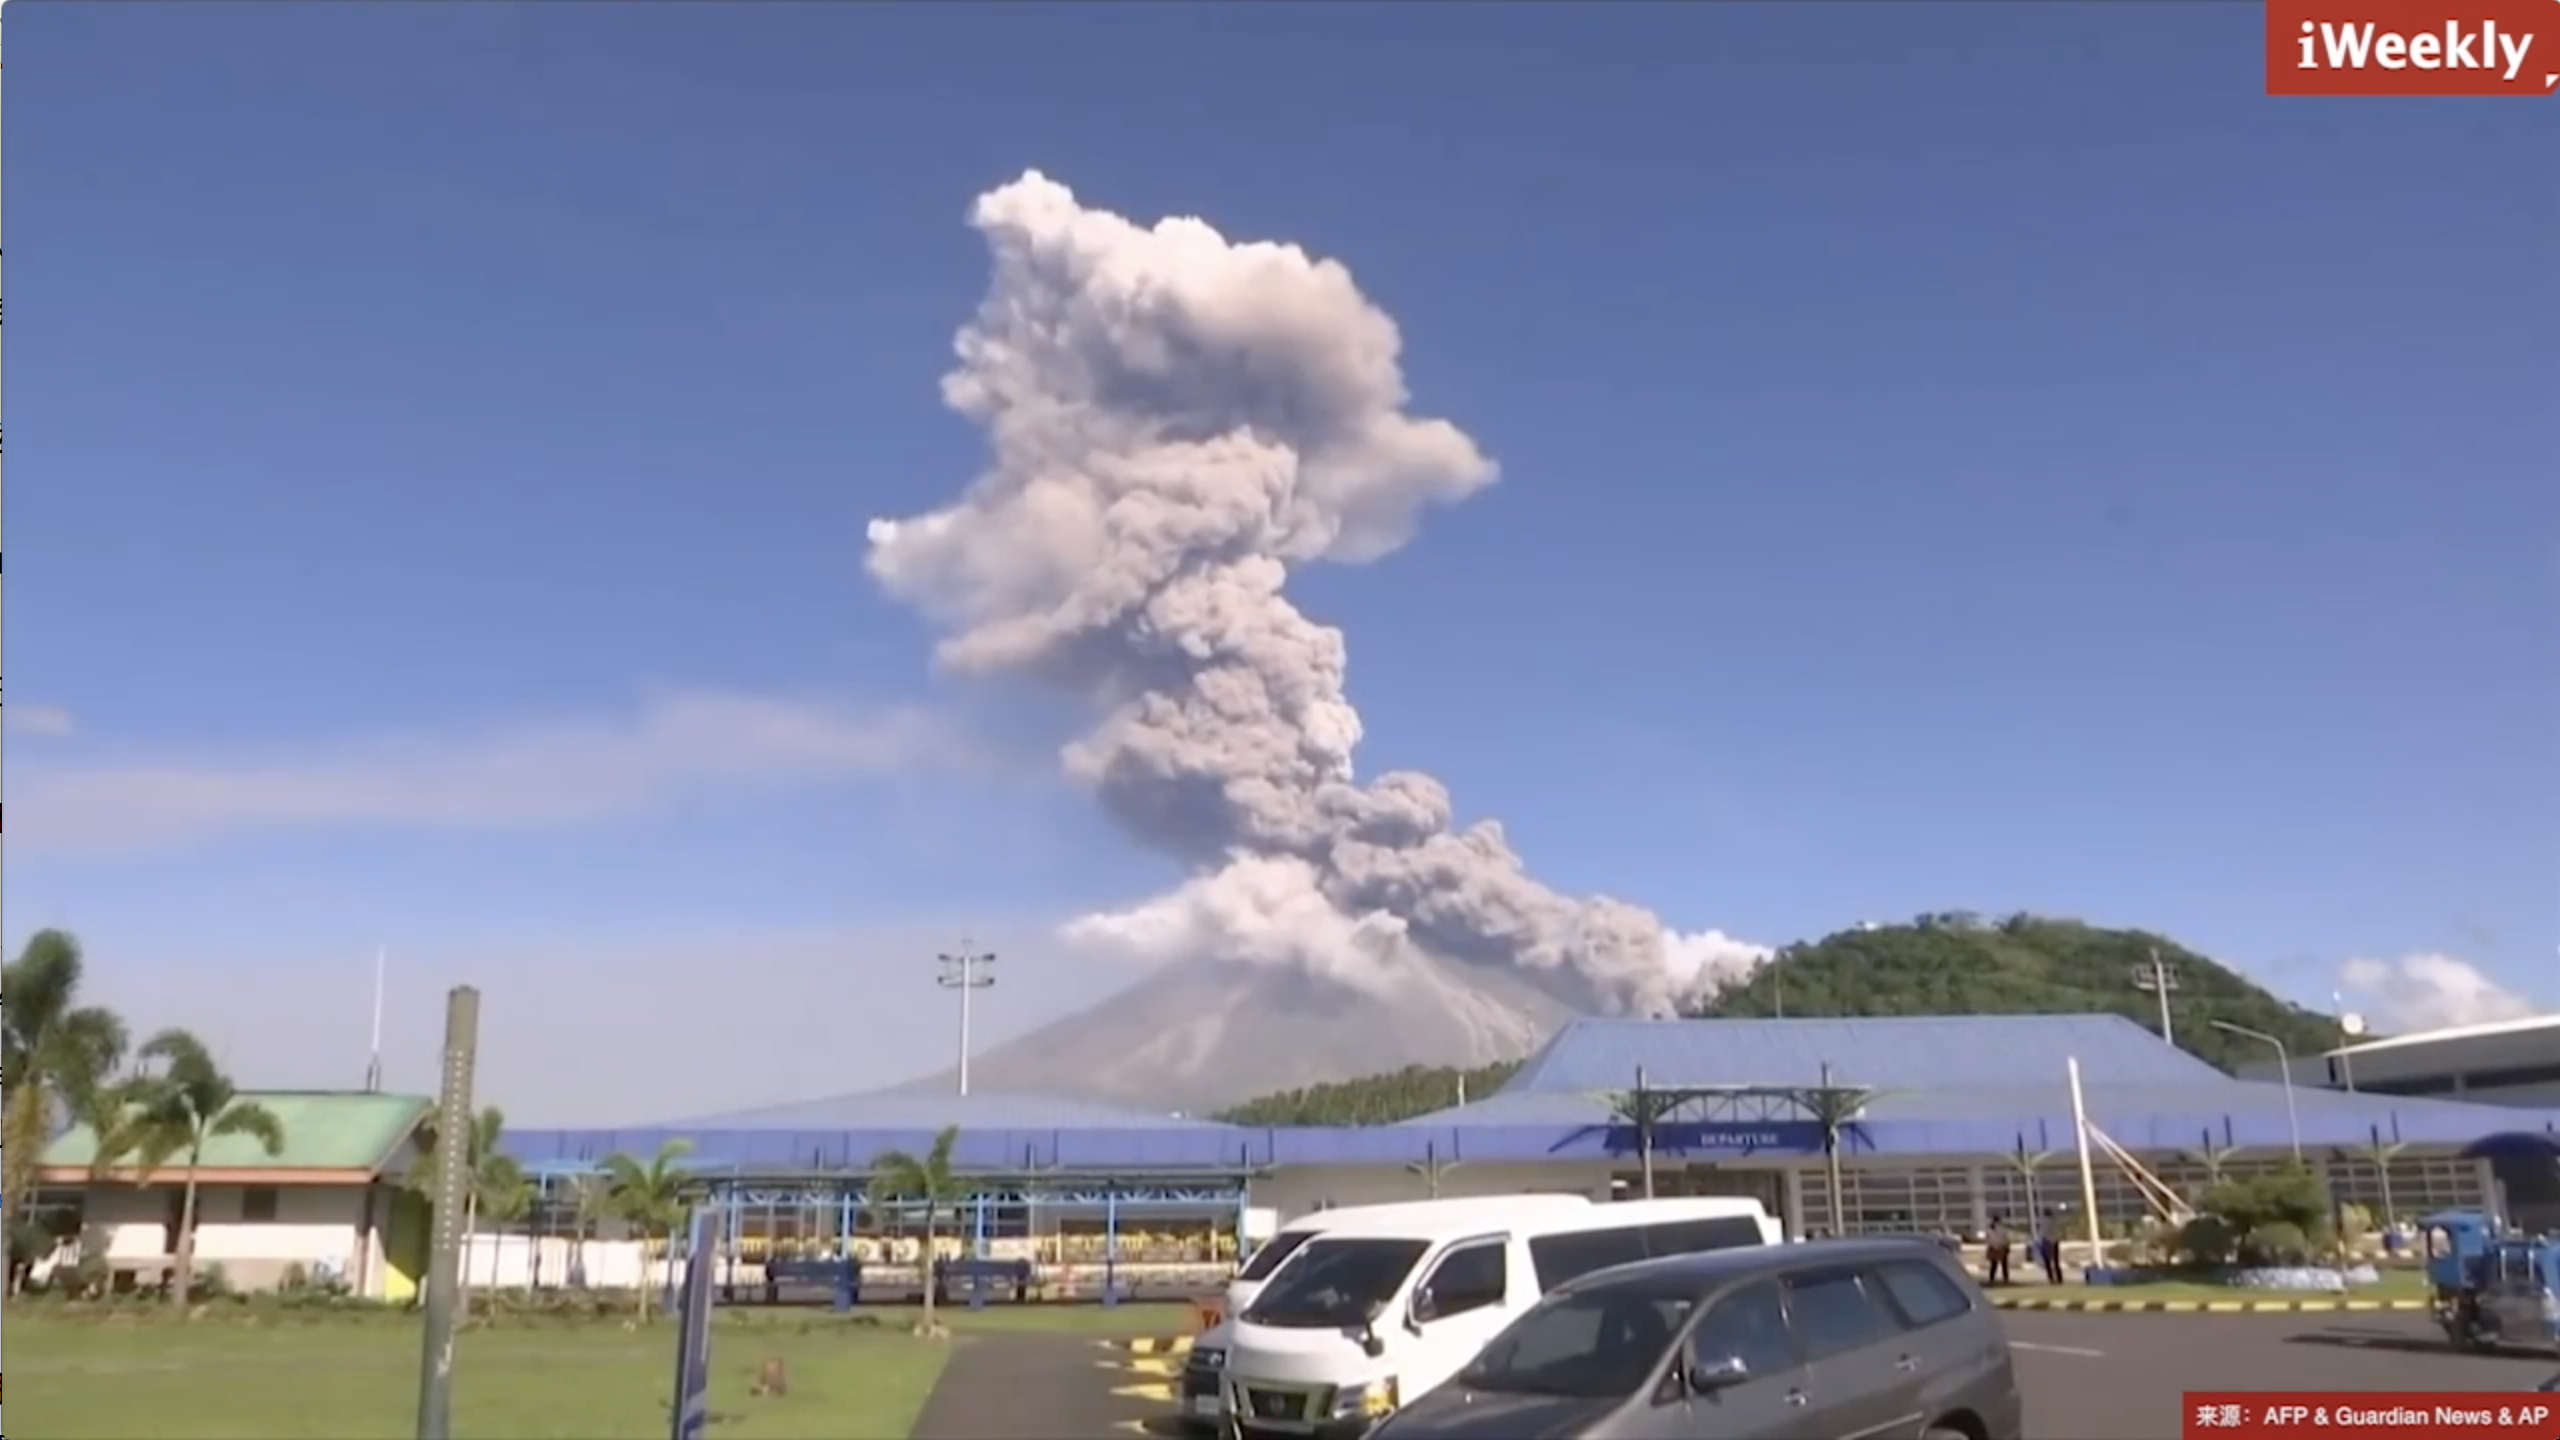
<point x="1838" y="1338"/>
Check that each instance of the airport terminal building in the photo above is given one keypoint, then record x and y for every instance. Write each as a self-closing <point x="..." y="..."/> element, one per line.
<point x="1939" y="1123"/>
<point x="1949" y="1123"/>
<point x="2503" y="1062"/>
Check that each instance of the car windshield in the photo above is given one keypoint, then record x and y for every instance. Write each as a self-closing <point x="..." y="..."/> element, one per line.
<point x="1596" y="1344"/>
<point x="1335" y="1284"/>
<point x="1268" y="1258"/>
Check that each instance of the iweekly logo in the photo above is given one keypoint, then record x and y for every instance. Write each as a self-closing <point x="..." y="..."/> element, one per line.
<point x="2413" y="47"/>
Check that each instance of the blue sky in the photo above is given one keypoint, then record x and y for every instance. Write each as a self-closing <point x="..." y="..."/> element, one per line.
<point x="1952" y="456"/>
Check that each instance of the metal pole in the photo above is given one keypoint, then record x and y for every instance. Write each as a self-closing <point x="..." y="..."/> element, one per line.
<point x="2292" y="1113"/>
<point x="1644" y="1130"/>
<point x="2088" y="1172"/>
<point x="452" y="1191"/>
<point x="1831" y="1155"/>
<point x="2349" y="1028"/>
<point x="373" y="1066"/>
<point x="966" y="972"/>
<point x="2284" y="1067"/>
<point x="2156" y="977"/>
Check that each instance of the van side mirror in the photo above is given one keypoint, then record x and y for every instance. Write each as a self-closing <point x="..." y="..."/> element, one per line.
<point x="1706" y="1374"/>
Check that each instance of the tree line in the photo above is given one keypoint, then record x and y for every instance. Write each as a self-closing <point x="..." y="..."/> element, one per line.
<point x="159" y="1105"/>
<point x="1946" y="963"/>
<point x="1374" y="1099"/>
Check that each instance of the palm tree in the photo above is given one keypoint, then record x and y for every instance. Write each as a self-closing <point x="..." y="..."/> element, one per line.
<point x="2029" y="1164"/>
<point x="2214" y="1160"/>
<point x="504" y="1193"/>
<point x="59" y="1057"/>
<point x="926" y="1181"/>
<point x="591" y="1204"/>
<point x="180" y="1104"/>
<point x="2379" y="1154"/>
<point x="650" y="1199"/>
<point x="494" y="1186"/>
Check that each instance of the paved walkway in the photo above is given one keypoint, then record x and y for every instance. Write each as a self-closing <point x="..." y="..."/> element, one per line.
<point x="1030" y="1387"/>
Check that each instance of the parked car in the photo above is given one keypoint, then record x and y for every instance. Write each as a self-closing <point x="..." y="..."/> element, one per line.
<point x="1793" y="1342"/>
<point x="1365" y="1317"/>
<point x="1202" y="1373"/>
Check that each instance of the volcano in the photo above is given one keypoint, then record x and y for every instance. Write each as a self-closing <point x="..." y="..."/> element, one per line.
<point x="1198" y="1036"/>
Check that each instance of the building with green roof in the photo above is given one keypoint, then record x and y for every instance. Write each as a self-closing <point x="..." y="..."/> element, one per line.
<point x="329" y="1202"/>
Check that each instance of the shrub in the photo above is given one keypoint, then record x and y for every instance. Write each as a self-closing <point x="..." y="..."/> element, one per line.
<point x="2206" y="1240"/>
<point x="2275" y="1242"/>
<point x="2291" y="1195"/>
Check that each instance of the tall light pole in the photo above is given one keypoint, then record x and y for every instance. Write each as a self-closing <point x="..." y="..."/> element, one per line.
<point x="2351" y="1029"/>
<point x="967" y="971"/>
<point x="2284" y="1065"/>
<point x="2157" y="978"/>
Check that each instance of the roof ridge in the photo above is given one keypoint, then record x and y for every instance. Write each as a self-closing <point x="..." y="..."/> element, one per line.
<point x="1633" y="1020"/>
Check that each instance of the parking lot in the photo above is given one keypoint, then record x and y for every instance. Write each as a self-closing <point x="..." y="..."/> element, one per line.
<point x="2119" y="1377"/>
<point x="2086" y="1377"/>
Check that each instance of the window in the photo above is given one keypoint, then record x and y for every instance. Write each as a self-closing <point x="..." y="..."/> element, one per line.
<point x="1267" y="1259"/>
<point x="1833" y="1314"/>
<point x="1896" y="1200"/>
<point x="1750" y="1326"/>
<point x="1570" y="1256"/>
<point x="258" y="1204"/>
<point x="1688" y="1237"/>
<point x="1589" y="1344"/>
<point x="2416" y="1185"/>
<point x="1336" y="1283"/>
<point x="1469" y="1277"/>
<point x="1922" y="1292"/>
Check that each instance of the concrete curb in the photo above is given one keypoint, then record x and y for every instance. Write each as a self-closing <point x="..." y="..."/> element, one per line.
<point x="1151" y="1345"/>
<point x="2209" y="1307"/>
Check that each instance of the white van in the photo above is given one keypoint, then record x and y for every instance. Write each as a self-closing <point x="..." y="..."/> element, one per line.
<point x="1200" y="1388"/>
<point x="1371" y="1314"/>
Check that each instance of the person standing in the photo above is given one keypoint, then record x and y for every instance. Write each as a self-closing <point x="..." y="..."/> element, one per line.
<point x="2049" y="1250"/>
<point x="1995" y="1251"/>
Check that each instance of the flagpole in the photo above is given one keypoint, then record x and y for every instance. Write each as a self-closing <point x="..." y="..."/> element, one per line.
<point x="373" y="1066"/>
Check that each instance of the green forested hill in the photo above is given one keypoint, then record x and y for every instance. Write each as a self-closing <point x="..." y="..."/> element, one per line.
<point x="1952" y="963"/>
<point x="1958" y="964"/>
<point x="1374" y="1099"/>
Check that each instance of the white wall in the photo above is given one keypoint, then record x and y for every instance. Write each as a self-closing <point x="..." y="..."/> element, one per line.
<point x="315" y="1226"/>
<point x="511" y="1262"/>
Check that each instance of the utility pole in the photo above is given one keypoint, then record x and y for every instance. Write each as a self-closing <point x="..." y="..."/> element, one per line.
<point x="452" y="1191"/>
<point x="968" y="971"/>
<point x="2158" y="979"/>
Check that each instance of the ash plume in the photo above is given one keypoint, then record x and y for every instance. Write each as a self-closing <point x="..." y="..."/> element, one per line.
<point x="1175" y="421"/>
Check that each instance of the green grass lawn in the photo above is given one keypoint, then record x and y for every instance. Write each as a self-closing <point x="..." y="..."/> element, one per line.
<point x="356" y="1377"/>
<point x="2396" y="1284"/>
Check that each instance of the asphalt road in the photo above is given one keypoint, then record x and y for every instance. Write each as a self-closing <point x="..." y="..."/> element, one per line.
<point x="2086" y="1377"/>
<point x="2120" y="1377"/>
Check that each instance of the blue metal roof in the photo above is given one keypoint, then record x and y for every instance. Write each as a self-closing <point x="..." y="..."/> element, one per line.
<point x="2237" y="1114"/>
<point x="1902" y="1052"/>
<point x="874" y="1110"/>
<point x="1950" y="1086"/>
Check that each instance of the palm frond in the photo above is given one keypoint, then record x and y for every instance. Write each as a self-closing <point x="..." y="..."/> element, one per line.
<point x="256" y="1121"/>
<point x="39" y="986"/>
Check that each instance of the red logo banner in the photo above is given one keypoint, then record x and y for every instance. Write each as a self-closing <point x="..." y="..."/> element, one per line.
<point x="2472" y="1415"/>
<point x="2413" y="47"/>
